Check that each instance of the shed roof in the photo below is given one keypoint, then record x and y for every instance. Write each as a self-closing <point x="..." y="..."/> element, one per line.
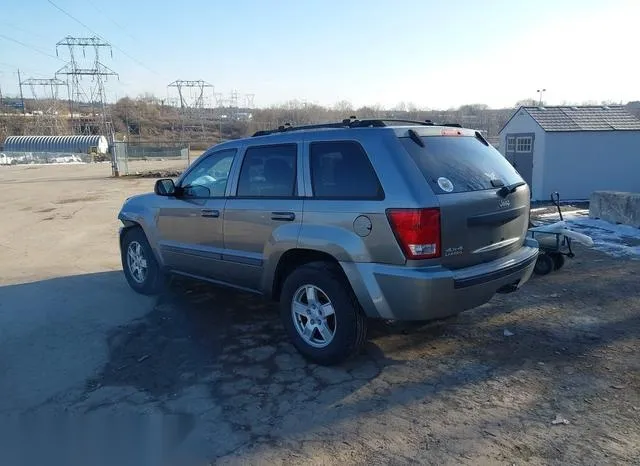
<point x="583" y="118"/>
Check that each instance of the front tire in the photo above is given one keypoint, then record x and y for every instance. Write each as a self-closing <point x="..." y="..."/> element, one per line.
<point x="321" y="314"/>
<point x="139" y="264"/>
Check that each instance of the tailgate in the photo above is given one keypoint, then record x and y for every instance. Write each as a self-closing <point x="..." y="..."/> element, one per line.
<point x="482" y="226"/>
<point x="484" y="203"/>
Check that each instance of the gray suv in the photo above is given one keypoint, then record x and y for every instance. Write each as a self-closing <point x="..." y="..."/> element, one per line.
<point x="382" y="219"/>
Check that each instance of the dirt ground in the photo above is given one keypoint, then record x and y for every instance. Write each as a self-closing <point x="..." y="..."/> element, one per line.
<point x="483" y="388"/>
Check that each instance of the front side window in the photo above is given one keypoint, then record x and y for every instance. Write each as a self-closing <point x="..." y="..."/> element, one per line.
<point x="342" y="170"/>
<point x="268" y="171"/>
<point x="209" y="177"/>
<point x="511" y="144"/>
<point x="524" y="144"/>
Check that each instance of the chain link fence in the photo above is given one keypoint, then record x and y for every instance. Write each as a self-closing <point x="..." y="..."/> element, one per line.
<point x="150" y="159"/>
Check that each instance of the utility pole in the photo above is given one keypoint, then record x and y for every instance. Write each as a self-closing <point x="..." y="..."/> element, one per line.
<point x="24" y="110"/>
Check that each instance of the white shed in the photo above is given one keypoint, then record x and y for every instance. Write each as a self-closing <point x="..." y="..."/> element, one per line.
<point x="574" y="150"/>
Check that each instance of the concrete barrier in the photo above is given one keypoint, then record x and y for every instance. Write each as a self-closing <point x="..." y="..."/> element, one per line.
<point x="616" y="207"/>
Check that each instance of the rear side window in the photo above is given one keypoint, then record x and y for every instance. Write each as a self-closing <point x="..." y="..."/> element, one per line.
<point x="268" y="171"/>
<point x="458" y="164"/>
<point x="342" y="170"/>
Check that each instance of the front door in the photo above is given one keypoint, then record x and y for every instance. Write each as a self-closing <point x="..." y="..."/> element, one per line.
<point x="266" y="209"/>
<point x="190" y="225"/>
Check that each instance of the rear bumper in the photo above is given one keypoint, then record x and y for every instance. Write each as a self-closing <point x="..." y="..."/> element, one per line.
<point x="403" y="293"/>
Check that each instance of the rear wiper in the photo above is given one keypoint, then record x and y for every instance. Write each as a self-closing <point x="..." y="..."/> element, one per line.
<point x="506" y="190"/>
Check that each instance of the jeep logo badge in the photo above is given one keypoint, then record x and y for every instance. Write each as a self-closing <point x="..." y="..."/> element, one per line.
<point x="504" y="203"/>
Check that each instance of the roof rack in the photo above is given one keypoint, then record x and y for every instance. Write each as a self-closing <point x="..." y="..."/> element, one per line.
<point x="353" y="122"/>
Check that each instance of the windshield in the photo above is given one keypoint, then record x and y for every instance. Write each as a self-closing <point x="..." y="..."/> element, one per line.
<point x="456" y="164"/>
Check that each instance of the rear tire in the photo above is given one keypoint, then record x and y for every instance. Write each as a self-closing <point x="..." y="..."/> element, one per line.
<point x="139" y="264"/>
<point x="544" y="264"/>
<point x="317" y="302"/>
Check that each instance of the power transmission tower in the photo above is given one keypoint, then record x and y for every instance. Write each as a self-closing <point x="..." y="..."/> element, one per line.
<point x="249" y="100"/>
<point x="191" y="95"/>
<point x="220" y="100"/>
<point x="24" y="111"/>
<point x="233" y="103"/>
<point x="45" y="109"/>
<point x="87" y="104"/>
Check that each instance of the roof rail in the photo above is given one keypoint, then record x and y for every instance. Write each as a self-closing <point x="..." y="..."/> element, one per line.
<point x="380" y="122"/>
<point x="353" y="122"/>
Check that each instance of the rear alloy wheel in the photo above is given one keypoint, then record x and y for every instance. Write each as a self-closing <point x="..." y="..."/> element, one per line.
<point x="139" y="263"/>
<point x="544" y="264"/>
<point x="313" y="316"/>
<point x="321" y="314"/>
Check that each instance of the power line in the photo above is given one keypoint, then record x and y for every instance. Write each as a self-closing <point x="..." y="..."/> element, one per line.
<point x="111" y="19"/>
<point x="98" y="35"/>
<point x="35" y="49"/>
<point x="19" y="28"/>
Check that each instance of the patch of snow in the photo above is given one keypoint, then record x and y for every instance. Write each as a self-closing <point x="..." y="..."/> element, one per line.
<point x="566" y="214"/>
<point x="615" y="240"/>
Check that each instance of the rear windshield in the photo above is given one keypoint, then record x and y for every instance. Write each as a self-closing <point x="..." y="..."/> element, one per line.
<point x="458" y="164"/>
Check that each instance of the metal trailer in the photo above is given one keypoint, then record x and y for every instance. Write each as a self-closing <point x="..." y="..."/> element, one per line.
<point x="554" y="246"/>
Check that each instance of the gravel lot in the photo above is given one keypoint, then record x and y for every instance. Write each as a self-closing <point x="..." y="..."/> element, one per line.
<point x="483" y="388"/>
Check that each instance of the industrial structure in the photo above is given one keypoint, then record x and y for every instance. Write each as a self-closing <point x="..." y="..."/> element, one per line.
<point x="574" y="150"/>
<point x="57" y="144"/>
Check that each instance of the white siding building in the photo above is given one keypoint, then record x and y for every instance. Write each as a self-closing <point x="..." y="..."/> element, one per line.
<point x="574" y="150"/>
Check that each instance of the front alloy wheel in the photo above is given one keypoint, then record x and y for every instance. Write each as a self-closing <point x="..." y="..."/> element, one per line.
<point x="137" y="262"/>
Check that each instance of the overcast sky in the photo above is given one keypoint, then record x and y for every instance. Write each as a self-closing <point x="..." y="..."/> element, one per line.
<point x="435" y="54"/>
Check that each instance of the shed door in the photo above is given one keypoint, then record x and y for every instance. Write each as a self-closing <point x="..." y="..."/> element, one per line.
<point x="519" y="151"/>
<point x="524" y="164"/>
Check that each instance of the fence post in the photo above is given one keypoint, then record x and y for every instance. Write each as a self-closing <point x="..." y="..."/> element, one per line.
<point x="115" y="171"/>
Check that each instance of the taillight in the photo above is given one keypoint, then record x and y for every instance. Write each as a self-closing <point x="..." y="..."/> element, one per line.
<point x="417" y="231"/>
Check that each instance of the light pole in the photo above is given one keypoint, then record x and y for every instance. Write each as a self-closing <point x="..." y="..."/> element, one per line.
<point x="540" y="93"/>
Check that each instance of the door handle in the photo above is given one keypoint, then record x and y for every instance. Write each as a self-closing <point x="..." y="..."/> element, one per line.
<point x="283" y="216"/>
<point x="211" y="213"/>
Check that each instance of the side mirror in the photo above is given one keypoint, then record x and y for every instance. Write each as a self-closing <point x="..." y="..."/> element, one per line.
<point x="165" y="187"/>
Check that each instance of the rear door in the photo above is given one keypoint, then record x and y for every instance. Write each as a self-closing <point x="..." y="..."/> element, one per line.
<point x="483" y="212"/>
<point x="266" y="208"/>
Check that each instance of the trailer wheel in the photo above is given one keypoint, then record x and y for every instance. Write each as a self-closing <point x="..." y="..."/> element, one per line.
<point x="558" y="261"/>
<point x="544" y="264"/>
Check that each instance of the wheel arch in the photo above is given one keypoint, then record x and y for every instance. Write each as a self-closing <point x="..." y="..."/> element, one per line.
<point x="291" y="260"/>
<point x="131" y="222"/>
